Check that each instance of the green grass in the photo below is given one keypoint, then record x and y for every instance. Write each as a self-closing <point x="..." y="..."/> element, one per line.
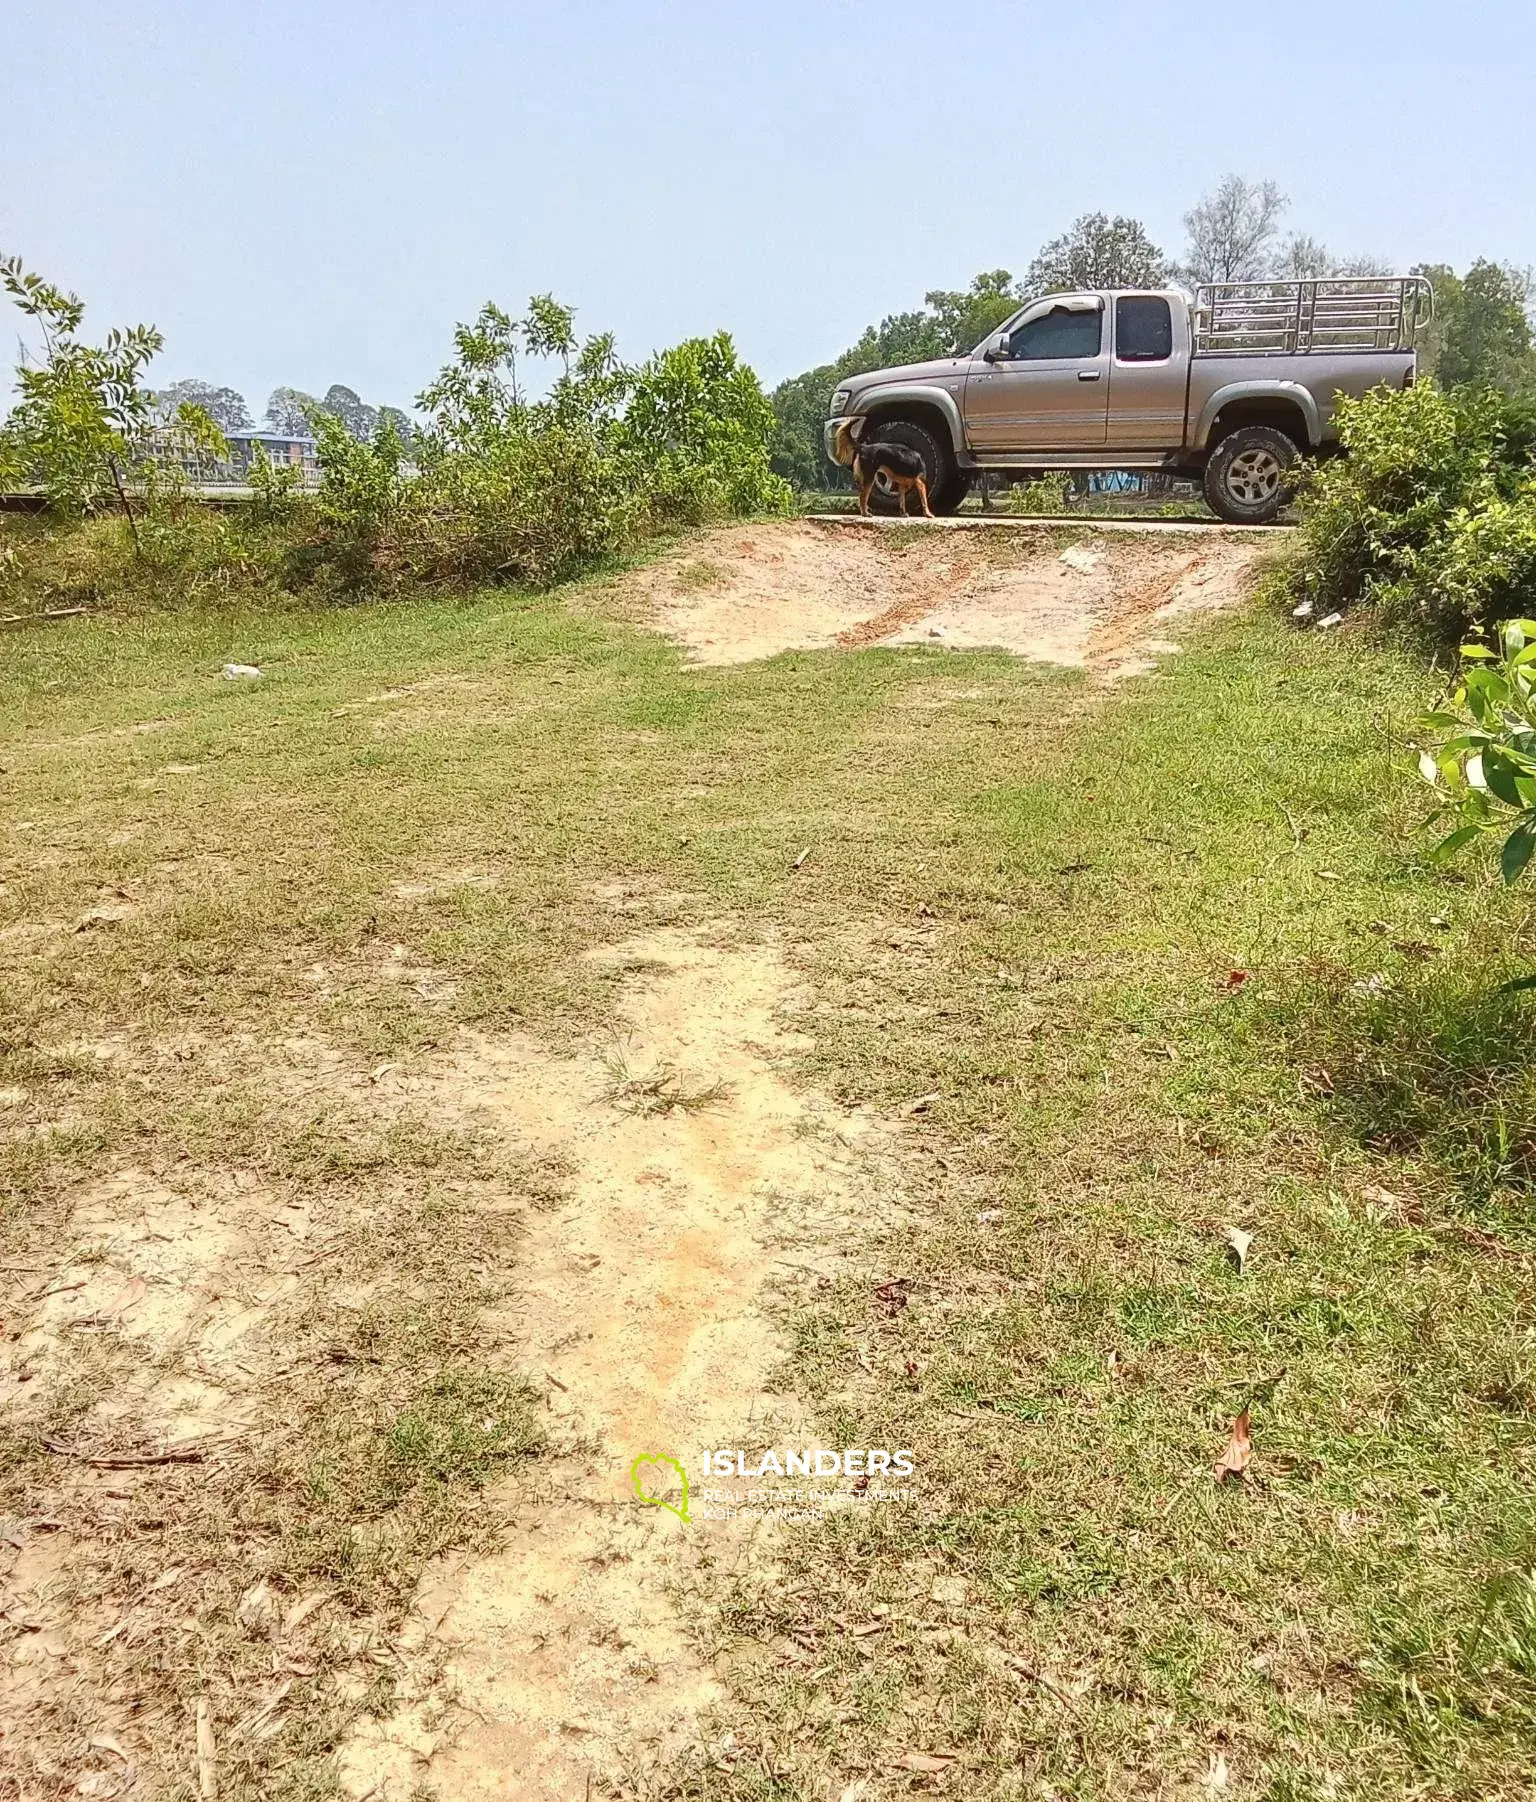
<point x="1071" y="876"/>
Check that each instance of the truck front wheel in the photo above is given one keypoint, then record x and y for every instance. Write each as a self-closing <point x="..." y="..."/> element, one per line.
<point x="947" y="486"/>
<point x="1247" y="477"/>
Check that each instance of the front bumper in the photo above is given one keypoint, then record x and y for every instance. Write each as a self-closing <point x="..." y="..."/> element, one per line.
<point x="830" y="430"/>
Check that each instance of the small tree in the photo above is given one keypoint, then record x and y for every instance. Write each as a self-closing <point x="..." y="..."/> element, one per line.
<point x="1098" y="252"/>
<point x="83" y="410"/>
<point x="702" y="431"/>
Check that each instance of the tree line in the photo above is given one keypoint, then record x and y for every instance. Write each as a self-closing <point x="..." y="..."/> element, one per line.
<point x="1482" y="333"/>
<point x="289" y="411"/>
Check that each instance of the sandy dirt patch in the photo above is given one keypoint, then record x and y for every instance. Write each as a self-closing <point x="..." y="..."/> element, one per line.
<point x="1100" y="601"/>
<point x="643" y="1303"/>
<point x="690" y="1184"/>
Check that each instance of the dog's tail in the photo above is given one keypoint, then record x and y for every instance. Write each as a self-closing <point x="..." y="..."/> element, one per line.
<point x="843" y="446"/>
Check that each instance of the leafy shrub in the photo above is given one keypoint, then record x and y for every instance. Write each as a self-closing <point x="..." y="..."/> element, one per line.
<point x="1484" y="763"/>
<point x="1479" y="569"/>
<point x="535" y="489"/>
<point x="190" y="555"/>
<point x="699" y="430"/>
<point x="1045" y="494"/>
<point x="1426" y="516"/>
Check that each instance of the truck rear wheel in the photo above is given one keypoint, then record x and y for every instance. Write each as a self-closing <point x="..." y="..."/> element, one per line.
<point x="1247" y="476"/>
<point x="947" y="486"/>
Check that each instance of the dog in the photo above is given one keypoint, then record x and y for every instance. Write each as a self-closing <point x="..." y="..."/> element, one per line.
<point x="895" y="467"/>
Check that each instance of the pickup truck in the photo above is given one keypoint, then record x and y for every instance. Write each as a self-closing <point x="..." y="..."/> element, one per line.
<point x="1229" y="383"/>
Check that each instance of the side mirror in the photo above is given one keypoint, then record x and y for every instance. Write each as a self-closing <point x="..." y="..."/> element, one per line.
<point x="995" y="353"/>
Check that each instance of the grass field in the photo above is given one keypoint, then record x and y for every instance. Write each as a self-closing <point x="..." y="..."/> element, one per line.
<point x="1131" y="966"/>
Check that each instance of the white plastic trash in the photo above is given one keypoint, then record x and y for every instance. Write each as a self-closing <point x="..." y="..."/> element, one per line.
<point x="241" y="672"/>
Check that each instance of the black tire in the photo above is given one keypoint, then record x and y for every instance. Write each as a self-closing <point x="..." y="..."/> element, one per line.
<point x="949" y="497"/>
<point x="1246" y="476"/>
<point x="939" y="472"/>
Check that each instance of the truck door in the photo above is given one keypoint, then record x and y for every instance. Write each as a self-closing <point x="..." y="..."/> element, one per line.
<point x="1146" y="378"/>
<point x="1046" y="383"/>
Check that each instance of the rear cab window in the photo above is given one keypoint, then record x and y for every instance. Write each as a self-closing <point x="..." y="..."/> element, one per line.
<point x="1143" y="329"/>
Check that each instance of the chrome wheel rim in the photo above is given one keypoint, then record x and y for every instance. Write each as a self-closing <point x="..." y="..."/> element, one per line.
<point x="1254" y="476"/>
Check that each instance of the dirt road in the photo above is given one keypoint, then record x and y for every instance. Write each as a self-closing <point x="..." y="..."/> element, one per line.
<point x="1104" y="601"/>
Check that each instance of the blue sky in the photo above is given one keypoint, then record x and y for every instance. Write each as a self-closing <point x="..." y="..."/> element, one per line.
<point x="309" y="193"/>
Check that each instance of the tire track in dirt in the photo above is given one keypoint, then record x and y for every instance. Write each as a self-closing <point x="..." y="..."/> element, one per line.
<point x="935" y="583"/>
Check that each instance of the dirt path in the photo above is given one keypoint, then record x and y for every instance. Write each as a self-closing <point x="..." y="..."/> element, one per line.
<point x="643" y="1302"/>
<point x="1088" y="600"/>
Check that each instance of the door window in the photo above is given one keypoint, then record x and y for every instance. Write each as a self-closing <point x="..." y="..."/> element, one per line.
<point x="1143" y="329"/>
<point x="1063" y="332"/>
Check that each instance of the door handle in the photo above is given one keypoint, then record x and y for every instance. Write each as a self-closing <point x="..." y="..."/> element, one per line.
<point x="1089" y="375"/>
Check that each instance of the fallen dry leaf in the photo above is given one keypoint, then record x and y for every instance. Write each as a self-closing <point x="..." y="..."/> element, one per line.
<point x="1241" y="1244"/>
<point x="304" y="1608"/>
<point x="258" y="1610"/>
<point x="1236" y="979"/>
<point x="207" y="1753"/>
<point x="1234" y="1461"/>
<point x="932" y="1762"/>
<point x="893" y="1295"/>
<point x="1381" y="1205"/>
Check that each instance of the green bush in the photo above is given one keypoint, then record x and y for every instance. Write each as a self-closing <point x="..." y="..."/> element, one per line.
<point x="699" y="432"/>
<point x="533" y="490"/>
<point x="187" y="554"/>
<point x="1430" y="517"/>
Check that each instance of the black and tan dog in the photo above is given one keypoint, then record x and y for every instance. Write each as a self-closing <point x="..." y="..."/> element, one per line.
<point x="897" y="468"/>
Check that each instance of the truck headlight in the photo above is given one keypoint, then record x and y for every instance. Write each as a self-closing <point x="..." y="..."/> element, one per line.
<point x="839" y="401"/>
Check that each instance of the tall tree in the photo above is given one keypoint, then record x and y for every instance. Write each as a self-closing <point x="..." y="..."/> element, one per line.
<point x="349" y="407"/>
<point x="961" y="319"/>
<point x="224" y="406"/>
<point x="1302" y="258"/>
<point x="288" y="412"/>
<point x="1482" y="332"/>
<point x="1098" y="252"/>
<point x="1232" y="232"/>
